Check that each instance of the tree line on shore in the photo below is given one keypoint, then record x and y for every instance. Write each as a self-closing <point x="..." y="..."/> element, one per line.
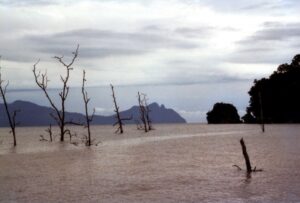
<point x="272" y="100"/>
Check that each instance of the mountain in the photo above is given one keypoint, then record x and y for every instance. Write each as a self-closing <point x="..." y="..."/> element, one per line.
<point x="35" y="115"/>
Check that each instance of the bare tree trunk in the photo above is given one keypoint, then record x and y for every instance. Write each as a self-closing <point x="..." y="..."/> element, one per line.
<point x="87" y="117"/>
<point x="142" y="112"/>
<point x="11" y="118"/>
<point x="42" y="81"/>
<point x="49" y="130"/>
<point x="119" y="120"/>
<point x="247" y="160"/>
<point x="147" y="114"/>
<point x="261" y="113"/>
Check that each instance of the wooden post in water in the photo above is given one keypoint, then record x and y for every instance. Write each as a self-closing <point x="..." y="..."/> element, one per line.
<point x="261" y="113"/>
<point x="247" y="160"/>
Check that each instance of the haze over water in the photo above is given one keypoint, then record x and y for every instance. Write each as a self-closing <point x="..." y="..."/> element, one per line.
<point x="174" y="163"/>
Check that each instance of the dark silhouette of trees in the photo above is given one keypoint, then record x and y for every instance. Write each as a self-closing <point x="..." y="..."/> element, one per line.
<point x="248" y="117"/>
<point x="120" y="120"/>
<point x="277" y="96"/>
<point x="42" y="80"/>
<point x="144" y="112"/>
<point x="223" y="113"/>
<point x="11" y="117"/>
<point x="88" y="119"/>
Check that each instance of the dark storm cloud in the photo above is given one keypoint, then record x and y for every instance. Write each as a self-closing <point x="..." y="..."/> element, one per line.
<point x="102" y="43"/>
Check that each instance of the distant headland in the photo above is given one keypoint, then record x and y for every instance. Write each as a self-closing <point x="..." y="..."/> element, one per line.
<point x="35" y="115"/>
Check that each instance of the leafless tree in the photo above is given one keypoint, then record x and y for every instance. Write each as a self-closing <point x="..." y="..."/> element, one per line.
<point x="261" y="113"/>
<point x="147" y="111"/>
<point x="42" y="80"/>
<point x="11" y="117"/>
<point x="144" y="112"/>
<point x="49" y="131"/>
<point x="120" y="120"/>
<point x="88" y="118"/>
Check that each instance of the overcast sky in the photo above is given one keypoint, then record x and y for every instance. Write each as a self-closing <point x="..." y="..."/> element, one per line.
<point x="179" y="44"/>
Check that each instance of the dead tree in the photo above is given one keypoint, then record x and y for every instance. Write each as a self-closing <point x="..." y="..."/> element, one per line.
<point x="144" y="112"/>
<point x="49" y="130"/>
<point x="11" y="117"/>
<point x="147" y="113"/>
<point x="247" y="159"/>
<point x="88" y="118"/>
<point x="120" y="120"/>
<point x="261" y="113"/>
<point x="42" y="80"/>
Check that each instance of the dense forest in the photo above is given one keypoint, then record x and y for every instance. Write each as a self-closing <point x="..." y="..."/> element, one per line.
<point x="276" y="99"/>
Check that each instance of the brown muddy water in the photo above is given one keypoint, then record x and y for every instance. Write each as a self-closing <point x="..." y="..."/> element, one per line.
<point x="173" y="163"/>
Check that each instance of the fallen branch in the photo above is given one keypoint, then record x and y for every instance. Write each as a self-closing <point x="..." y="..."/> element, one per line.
<point x="239" y="168"/>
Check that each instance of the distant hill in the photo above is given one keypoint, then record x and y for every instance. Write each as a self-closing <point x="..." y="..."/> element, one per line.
<point x="35" y="115"/>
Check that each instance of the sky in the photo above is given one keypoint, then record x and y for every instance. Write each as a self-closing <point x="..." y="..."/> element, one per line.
<point x="186" y="54"/>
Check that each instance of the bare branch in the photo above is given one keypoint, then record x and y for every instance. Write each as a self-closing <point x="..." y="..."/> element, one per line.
<point x="87" y="117"/>
<point x="73" y="123"/>
<point x="144" y="112"/>
<point x="42" y="81"/>
<point x="11" y="118"/>
<point x="118" y="117"/>
<point x="5" y="87"/>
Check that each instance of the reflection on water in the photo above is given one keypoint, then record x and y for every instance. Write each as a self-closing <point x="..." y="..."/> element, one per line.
<point x="174" y="163"/>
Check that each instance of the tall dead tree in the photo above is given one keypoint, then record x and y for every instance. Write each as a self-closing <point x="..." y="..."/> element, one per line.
<point x="147" y="113"/>
<point x="120" y="120"/>
<point x="143" y="116"/>
<point x="88" y="118"/>
<point x="42" y="80"/>
<point x="142" y="113"/>
<point x="11" y="117"/>
<point x="261" y="113"/>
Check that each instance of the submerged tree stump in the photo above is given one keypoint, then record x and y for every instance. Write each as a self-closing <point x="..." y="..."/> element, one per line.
<point x="247" y="160"/>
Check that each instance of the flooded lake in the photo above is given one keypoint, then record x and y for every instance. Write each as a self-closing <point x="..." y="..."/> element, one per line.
<point x="173" y="163"/>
